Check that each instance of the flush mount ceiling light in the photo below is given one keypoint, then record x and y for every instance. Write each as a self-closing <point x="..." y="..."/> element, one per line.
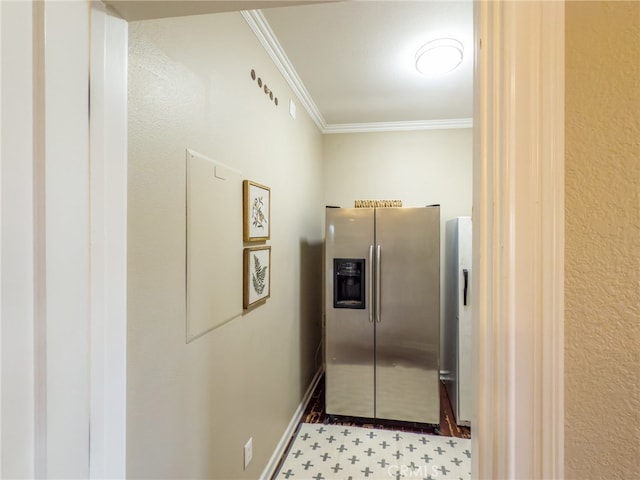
<point x="438" y="57"/>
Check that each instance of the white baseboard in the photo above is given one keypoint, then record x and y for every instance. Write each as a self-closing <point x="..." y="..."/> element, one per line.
<point x="291" y="428"/>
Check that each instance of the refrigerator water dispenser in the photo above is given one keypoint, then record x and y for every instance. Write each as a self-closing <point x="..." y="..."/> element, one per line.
<point x="348" y="284"/>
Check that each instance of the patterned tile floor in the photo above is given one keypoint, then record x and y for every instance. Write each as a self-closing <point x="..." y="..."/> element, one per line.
<point x="328" y="452"/>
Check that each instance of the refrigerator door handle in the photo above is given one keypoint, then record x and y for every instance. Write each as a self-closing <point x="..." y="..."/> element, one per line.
<point x="465" y="274"/>
<point x="370" y="279"/>
<point x="378" y="282"/>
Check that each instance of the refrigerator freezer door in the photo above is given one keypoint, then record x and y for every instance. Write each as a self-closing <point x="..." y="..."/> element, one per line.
<point x="349" y="346"/>
<point x="408" y="331"/>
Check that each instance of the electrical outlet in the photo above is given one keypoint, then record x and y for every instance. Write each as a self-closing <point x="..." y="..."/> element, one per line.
<point x="248" y="452"/>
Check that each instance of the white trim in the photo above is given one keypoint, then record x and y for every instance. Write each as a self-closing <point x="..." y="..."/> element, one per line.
<point x="66" y="156"/>
<point x="256" y="21"/>
<point x="551" y="357"/>
<point x="18" y="355"/>
<point x="281" y="448"/>
<point x="399" y="126"/>
<point x="108" y="255"/>
<point x="518" y="240"/>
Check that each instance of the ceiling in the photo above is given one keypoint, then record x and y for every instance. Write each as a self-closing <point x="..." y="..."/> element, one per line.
<point x="357" y="59"/>
<point x="352" y="63"/>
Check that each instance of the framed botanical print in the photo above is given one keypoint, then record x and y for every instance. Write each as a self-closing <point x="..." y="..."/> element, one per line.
<point x="257" y="211"/>
<point x="257" y="275"/>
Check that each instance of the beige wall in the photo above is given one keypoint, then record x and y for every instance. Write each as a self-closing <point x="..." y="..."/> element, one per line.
<point x="418" y="167"/>
<point x="191" y="407"/>
<point x="602" y="254"/>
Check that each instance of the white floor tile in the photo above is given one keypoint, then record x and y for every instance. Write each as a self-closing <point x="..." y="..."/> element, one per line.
<point x="328" y="452"/>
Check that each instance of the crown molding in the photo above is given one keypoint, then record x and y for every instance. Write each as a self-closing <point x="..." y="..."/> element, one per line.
<point x="398" y="126"/>
<point x="260" y="26"/>
<point x="256" y="21"/>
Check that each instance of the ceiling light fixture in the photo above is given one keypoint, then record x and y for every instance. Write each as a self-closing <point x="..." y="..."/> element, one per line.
<point x="439" y="56"/>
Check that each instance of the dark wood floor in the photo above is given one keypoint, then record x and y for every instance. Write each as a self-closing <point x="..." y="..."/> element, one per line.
<point x="315" y="413"/>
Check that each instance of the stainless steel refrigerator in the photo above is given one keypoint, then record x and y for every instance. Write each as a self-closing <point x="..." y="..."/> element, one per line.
<point x="456" y="349"/>
<point x="382" y="308"/>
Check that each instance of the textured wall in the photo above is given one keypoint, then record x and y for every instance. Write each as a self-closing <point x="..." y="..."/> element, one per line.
<point x="191" y="407"/>
<point x="418" y="167"/>
<point x="602" y="320"/>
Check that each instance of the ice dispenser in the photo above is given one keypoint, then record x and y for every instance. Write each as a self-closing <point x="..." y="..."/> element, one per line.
<point x="348" y="283"/>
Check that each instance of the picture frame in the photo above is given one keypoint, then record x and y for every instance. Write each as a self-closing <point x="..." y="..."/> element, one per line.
<point x="256" y="211"/>
<point x="257" y="276"/>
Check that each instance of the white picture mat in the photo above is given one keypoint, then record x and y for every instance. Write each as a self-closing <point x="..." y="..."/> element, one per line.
<point x="214" y="244"/>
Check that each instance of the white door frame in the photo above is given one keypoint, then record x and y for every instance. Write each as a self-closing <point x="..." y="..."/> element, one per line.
<point x="108" y="223"/>
<point x="63" y="238"/>
<point x="18" y="402"/>
<point x="519" y="240"/>
<point x="518" y="255"/>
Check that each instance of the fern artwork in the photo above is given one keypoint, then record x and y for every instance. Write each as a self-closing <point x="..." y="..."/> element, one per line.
<point x="257" y="269"/>
<point x="258" y="276"/>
